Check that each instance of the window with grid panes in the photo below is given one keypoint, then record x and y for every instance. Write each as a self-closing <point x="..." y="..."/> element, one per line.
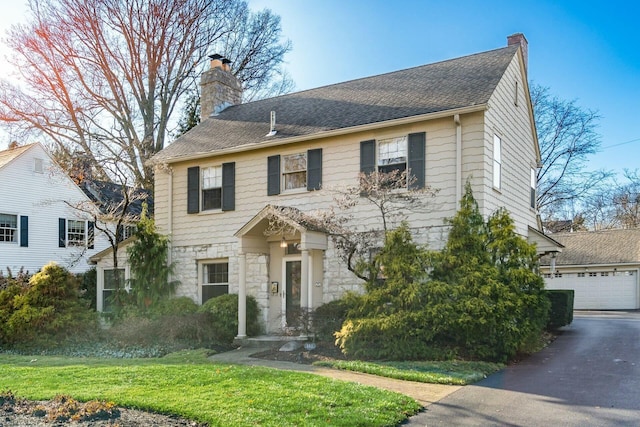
<point x="212" y="188"/>
<point x="76" y="233"/>
<point x="8" y="228"/>
<point x="294" y="171"/>
<point x="215" y="280"/>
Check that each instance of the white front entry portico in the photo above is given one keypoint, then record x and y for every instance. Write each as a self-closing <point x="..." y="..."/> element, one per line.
<point x="285" y="273"/>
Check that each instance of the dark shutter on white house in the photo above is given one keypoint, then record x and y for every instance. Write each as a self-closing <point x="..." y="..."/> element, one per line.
<point x="24" y="231"/>
<point x="416" y="160"/>
<point x="193" y="190"/>
<point x="62" y="232"/>
<point x="228" y="186"/>
<point x="91" y="230"/>
<point x="368" y="156"/>
<point x="273" y="175"/>
<point x="314" y="169"/>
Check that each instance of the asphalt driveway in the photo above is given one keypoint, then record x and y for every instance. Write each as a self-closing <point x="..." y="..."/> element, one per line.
<point x="589" y="376"/>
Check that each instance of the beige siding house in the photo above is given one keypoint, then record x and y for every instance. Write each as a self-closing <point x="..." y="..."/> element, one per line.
<point x="218" y="187"/>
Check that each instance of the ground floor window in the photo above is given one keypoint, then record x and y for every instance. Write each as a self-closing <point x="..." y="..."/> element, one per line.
<point x="113" y="278"/>
<point x="215" y="280"/>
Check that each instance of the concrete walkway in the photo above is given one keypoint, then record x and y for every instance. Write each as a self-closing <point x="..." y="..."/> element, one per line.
<point x="423" y="393"/>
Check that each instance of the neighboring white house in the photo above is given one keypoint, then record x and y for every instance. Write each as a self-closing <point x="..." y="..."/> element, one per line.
<point x="220" y="186"/>
<point x="38" y="223"/>
<point x="602" y="267"/>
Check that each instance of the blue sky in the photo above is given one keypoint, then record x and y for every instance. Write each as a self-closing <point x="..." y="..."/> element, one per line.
<point x="583" y="50"/>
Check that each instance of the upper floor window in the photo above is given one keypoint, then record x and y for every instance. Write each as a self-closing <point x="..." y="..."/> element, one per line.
<point x="392" y="154"/>
<point x="212" y="188"/>
<point x="76" y="233"/>
<point x="534" y="180"/>
<point x="401" y="153"/>
<point x="294" y="171"/>
<point x="497" y="162"/>
<point x="38" y="165"/>
<point x="72" y="232"/>
<point x="8" y="228"/>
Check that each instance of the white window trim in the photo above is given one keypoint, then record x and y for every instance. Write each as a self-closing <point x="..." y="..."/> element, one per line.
<point x="201" y="266"/>
<point x="16" y="233"/>
<point x="283" y="174"/>
<point x="497" y="163"/>
<point x="100" y="284"/>
<point x="76" y="243"/>
<point x="203" y="187"/>
<point x="395" y="138"/>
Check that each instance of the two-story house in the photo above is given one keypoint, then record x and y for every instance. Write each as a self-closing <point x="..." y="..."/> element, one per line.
<point x="39" y="221"/>
<point x="217" y="188"/>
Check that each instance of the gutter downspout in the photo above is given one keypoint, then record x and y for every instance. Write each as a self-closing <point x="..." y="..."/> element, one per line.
<point x="456" y="120"/>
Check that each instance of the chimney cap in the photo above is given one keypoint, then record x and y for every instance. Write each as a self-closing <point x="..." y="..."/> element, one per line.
<point x="226" y="61"/>
<point x="215" y="56"/>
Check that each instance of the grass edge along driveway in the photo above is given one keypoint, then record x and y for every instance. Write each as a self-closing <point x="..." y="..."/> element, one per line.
<point x="188" y="385"/>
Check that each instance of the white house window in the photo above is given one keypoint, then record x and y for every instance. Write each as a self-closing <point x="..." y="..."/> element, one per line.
<point x="38" y="166"/>
<point x="8" y="228"/>
<point x="580" y="274"/>
<point x="557" y="275"/>
<point x="76" y="233"/>
<point x="534" y="180"/>
<point x="128" y="231"/>
<point x="593" y="274"/>
<point x="604" y="274"/>
<point x="215" y="280"/>
<point x="392" y="154"/>
<point x="497" y="162"/>
<point x="110" y="286"/>
<point x="294" y="171"/>
<point x="212" y="188"/>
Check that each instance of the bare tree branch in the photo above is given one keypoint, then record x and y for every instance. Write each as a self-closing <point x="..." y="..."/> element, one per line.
<point x="104" y="77"/>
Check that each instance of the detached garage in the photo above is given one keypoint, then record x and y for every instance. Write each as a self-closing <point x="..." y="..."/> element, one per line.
<point x="601" y="266"/>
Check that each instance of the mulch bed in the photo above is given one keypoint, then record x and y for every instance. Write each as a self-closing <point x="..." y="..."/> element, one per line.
<point x="323" y="352"/>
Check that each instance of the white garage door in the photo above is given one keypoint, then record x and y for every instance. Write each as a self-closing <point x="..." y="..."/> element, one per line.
<point x="601" y="290"/>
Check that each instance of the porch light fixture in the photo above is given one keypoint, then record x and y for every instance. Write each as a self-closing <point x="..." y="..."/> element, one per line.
<point x="283" y="243"/>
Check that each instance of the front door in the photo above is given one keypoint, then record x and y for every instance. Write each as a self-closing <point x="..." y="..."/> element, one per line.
<point x="291" y="295"/>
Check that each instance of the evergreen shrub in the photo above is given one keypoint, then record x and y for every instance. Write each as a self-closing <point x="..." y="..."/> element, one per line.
<point x="223" y="316"/>
<point x="561" y="309"/>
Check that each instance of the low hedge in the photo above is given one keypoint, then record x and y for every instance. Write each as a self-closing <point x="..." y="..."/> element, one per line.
<point x="561" y="310"/>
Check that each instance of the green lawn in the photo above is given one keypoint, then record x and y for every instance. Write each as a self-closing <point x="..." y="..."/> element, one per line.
<point x="450" y="372"/>
<point x="188" y="385"/>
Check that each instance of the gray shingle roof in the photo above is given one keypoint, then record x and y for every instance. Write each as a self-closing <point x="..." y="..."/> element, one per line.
<point x="442" y="86"/>
<point x="597" y="247"/>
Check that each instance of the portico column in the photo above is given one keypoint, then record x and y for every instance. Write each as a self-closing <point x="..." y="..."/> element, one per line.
<point x="242" y="295"/>
<point x="304" y="284"/>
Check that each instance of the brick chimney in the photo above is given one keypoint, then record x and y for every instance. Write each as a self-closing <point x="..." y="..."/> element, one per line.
<point x="520" y="39"/>
<point x="219" y="88"/>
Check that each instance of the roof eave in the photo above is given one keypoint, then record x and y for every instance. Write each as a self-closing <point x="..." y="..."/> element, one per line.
<point x="325" y="134"/>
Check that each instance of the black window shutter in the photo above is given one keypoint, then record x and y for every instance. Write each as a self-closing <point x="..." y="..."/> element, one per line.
<point x="368" y="156"/>
<point x="193" y="190"/>
<point x="228" y="186"/>
<point x="314" y="169"/>
<point x="90" y="234"/>
<point x="24" y="231"/>
<point x="417" y="160"/>
<point x="119" y="233"/>
<point x="62" y="232"/>
<point x="273" y="175"/>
